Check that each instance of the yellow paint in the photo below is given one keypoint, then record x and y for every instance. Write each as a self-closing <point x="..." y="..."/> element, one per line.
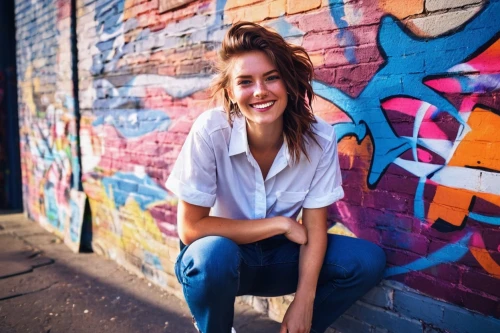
<point x="294" y="6"/>
<point x="277" y="8"/>
<point x="128" y="228"/>
<point x="340" y="229"/>
<point x="254" y="13"/>
<point x="240" y="3"/>
<point x="28" y="88"/>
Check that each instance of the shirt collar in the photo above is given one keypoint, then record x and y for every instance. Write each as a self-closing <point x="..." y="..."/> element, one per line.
<point x="238" y="142"/>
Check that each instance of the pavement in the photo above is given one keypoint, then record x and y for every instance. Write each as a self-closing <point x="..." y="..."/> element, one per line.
<point x="44" y="287"/>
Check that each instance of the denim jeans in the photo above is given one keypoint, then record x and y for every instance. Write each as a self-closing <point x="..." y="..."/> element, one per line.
<point x="214" y="270"/>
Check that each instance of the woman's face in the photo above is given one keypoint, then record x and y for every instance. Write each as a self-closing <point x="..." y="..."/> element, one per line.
<point x="256" y="86"/>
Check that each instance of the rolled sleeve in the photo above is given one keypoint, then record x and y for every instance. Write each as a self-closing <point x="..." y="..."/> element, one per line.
<point x="326" y="186"/>
<point x="193" y="178"/>
<point x="189" y="194"/>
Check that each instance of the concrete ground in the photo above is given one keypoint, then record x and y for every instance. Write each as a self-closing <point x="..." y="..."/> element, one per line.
<point x="44" y="287"/>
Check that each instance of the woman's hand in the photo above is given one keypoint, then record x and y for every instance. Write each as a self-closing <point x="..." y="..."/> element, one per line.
<point x="298" y="317"/>
<point x="295" y="231"/>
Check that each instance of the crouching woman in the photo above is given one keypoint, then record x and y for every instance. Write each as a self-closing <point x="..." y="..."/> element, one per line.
<point x="242" y="177"/>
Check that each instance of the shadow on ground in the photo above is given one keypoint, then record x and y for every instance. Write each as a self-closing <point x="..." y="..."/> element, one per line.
<point x="88" y="293"/>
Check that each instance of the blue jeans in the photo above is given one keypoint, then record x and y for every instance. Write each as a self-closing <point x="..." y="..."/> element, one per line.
<point x="214" y="270"/>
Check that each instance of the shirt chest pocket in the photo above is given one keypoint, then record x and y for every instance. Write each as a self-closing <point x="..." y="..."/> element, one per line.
<point x="288" y="203"/>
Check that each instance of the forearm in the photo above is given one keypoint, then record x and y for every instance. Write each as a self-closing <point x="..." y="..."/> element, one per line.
<point x="312" y="254"/>
<point x="310" y="261"/>
<point x="240" y="231"/>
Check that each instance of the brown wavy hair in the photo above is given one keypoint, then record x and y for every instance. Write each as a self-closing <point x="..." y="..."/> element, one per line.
<point x="296" y="70"/>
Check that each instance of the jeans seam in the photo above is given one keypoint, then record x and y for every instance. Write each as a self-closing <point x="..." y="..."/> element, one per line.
<point x="239" y="269"/>
<point x="186" y="296"/>
<point x="178" y="274"/>
<point x="177" y="266"/>
<point x="336" y="265"/>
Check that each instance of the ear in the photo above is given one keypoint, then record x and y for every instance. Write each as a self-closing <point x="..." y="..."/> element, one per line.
<point x="229" y="94"/>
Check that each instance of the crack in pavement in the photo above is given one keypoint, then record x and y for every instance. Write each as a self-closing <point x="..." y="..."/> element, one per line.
<point x="27" y="293"/>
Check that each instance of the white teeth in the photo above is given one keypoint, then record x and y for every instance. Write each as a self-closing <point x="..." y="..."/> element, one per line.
<point x="263" y="106"/>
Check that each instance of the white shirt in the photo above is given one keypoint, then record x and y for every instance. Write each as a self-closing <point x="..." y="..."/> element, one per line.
<point x="216" y="169"/>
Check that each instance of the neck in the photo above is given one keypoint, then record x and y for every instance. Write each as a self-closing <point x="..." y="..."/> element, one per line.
<point x="265" y="137"/>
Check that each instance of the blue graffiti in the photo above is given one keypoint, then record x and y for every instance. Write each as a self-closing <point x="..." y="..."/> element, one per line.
<point x="109" y="16"/>
<point x="448" y="253"/>
<point x="152" y="260"/>
<point x="131" y="124"/>
<point x="75" y="223"/>
<point x="493" y="220"/>
<point x="408" y="61"/>
<point x="124" y="185"/>
<point x="285" y="28"/>
<point x="418" y="203"/>
<point x="52" y="210"/>
<point x="345" y="37"/>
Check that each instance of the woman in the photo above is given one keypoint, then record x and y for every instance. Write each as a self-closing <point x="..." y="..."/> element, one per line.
<point x="242" y="177"/>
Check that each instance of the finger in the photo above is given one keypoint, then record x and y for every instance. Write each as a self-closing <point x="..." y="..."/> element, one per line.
<point x="283" y="328"/>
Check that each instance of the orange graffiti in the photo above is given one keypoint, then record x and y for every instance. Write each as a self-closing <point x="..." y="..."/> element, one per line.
<point x="400" y="10"/>
<point x="486" y="261"/>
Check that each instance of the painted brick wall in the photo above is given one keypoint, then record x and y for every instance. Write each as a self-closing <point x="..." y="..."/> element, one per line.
<point x="412" y="89"/>
<point x="46" y="111"/>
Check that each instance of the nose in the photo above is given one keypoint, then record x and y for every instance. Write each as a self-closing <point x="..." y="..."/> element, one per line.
<point x="260" y="90"/>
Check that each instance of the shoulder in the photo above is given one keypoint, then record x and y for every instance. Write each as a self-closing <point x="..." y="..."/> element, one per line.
<point x="324" y="132"/>
<point x="211" y="121"/>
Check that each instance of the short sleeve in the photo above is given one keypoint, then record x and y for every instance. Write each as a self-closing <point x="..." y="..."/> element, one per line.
<point x="326" y="185"/>
<point x="193" y="178"/>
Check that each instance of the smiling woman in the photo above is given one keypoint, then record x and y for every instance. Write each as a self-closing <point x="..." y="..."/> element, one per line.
<point x="258" y="90"/>
<point x="244" y="173"/>
<point x="291" y="66"/>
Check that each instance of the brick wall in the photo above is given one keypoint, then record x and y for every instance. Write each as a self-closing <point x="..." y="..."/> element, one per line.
<point x="47" y="123"/>
<point x="412" y="90"/>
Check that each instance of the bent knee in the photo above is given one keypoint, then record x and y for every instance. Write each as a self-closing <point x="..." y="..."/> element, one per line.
<point x="211" y="258"/>
<point x="371" y="265"/>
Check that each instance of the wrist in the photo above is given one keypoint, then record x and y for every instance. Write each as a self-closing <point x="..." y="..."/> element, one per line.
<point x="307" y="296"/>
<point x="284" y="225"/>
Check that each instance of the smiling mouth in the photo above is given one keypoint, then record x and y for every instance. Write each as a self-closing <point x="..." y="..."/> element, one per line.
<point x="263" y="105"/>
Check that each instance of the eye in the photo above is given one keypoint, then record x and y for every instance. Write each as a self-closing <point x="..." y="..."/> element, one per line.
<point x="243" y="82"/>
<point x="273" y="78"/>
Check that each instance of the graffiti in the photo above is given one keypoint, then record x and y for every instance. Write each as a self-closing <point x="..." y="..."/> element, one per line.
<point x="392" y="80"/>
<point x="431" y="110"/>
<point x="412" y="90"/>
<point x="47" y="121"/>
<point x="415" y="112"/>
<point x="129" y="121"/>
<point x="345" y="37"/>
<point x="73" y="229"/>
<point x="171" y="4"/>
